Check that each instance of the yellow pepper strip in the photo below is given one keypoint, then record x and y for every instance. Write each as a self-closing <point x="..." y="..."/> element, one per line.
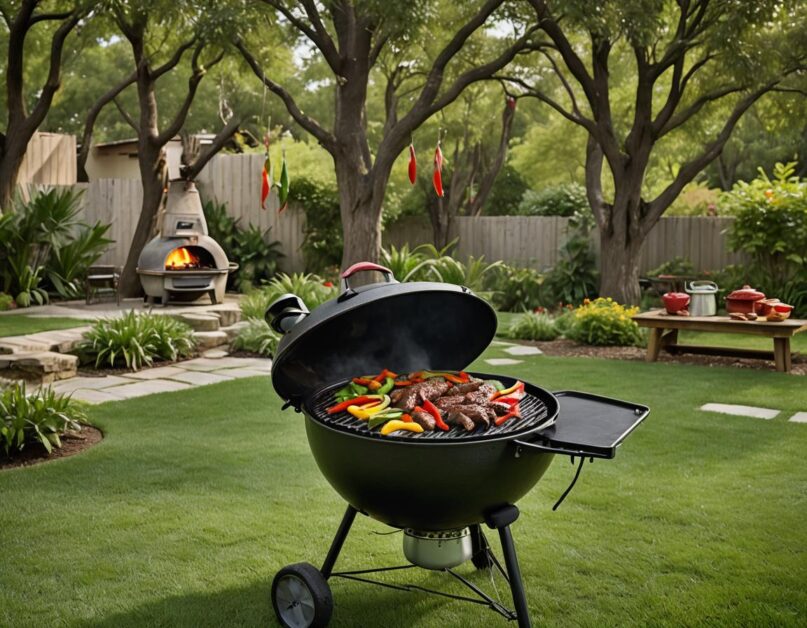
<point x="374" y="385"/>
<point x="365" y="412"/>
<point x="395" y="424"/>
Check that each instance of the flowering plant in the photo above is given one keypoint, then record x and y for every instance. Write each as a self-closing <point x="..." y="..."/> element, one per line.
<point x="603" y="321"/>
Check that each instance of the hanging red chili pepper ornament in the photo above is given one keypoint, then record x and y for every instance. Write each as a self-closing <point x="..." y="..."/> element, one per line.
<point x="413" y="164"/>
<point x="511" y="102"/>
<point x="437" y="177"/>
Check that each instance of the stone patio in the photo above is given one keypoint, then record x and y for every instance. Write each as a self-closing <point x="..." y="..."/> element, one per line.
<point x="197" y="372"/>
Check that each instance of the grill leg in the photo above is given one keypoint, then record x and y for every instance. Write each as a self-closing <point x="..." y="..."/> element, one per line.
<point x="338" y="541"/>
<point x="501" y="520"/>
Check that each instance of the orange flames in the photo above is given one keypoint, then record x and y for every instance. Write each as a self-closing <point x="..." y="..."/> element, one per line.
<point x="181" y="259"/>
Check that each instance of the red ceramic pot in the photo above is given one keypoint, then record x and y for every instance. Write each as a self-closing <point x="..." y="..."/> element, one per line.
<point x="763" y="307"/>
<point x="675" y="301"/>
<point x="742" y="301"/>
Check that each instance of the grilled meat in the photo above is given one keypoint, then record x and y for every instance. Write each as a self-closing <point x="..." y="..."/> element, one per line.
<point x="416" y="393"/>
<point x="458" y="418"/>
<point x="425" y="420"/>
<point x="461" y="389"/>
<point x="500" y="408"/>
<point x="479" y="414"/>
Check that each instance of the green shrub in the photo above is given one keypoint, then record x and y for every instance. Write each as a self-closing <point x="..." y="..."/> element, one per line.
<point x="603" y="321"/>
<point x="322" y="234"/>
<point x="564" y="320"/>
<point x="405" y="264"/>
<point x="6" y="302"/>
<point x="258" y="257"/>
<point x="560" y="200"/>
<point x="136" y="340"/>
<point x="256" y="337"/>
<point x="533" y="326"/>
<point x="516" y="289"/>
<point x="506" y="194"/>
<point x="42" y="240"/>
<point x="312" y="289"/>
<point x="40" y="417"/>
<point x="574" y="276"/>
<point x="676" y="266"/>
<point x="770" y="222"/>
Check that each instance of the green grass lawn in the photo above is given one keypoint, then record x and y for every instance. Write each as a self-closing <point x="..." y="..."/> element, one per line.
<point x="20" y="324"/>
<point x="193" y="501"/>
<point x="742" y="341"/>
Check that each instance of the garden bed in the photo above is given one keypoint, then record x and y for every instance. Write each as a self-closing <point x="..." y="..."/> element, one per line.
<point x="35" y="453"/>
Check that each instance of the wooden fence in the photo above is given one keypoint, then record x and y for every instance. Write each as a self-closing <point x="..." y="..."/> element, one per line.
<point x="535" y="241"/>
<point x="50" y="159"/>
<point x="522" y="240"/>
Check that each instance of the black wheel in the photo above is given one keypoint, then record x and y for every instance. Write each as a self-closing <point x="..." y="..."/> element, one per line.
<point x="301" y="597"/>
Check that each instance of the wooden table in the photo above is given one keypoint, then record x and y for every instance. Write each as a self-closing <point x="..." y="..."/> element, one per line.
<point x="664" y="335"/>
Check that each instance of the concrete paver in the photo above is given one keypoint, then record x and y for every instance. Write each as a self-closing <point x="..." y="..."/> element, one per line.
<point x="737" y="410"/>
<point x="799" y="417"/>
<point x="89" y="383"/>
<point x="523" y="350"/>
<point x="157" y="372"/>
<point x="146" y="387"/>
<point x="94" y="396"/>
<point x="202" y="378"/>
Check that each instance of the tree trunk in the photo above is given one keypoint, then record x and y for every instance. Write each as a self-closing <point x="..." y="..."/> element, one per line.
<point x="619" y="267"/>
<point x="10" y="163"/>
<point x="154" y="181"/>
<point x="441" y="218"/>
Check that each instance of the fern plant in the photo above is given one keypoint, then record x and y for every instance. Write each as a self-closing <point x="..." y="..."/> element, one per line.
<point x="257" y="337"/>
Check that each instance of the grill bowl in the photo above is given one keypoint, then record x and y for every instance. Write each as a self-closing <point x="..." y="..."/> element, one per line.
<point x="425" y="481"/>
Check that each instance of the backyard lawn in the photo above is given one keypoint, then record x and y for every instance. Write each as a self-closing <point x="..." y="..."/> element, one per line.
<point x="20" y="324"/>
<point x="183" y="514"/>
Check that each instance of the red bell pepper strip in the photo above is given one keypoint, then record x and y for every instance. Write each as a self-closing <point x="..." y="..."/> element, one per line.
<point x="356" y="401"/>
<point x="362" y="381"/>
<point x="413" y="164"/>
<point x="509" y="415"/>
<point x="453" y="378"/>
<point x="384" y="375"/>
<point x="510" y="401"/>
<point x="407" y="418"/>
<point x="432" y="409"/>
<point x="403" y="382"/>
<point x="465" y="377"/>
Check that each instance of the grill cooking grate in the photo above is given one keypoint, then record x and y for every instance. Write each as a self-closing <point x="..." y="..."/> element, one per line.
<point x="534" y="413"/>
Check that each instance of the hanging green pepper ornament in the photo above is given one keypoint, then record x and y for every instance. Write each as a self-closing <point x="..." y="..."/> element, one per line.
<point x="283" y="189"/>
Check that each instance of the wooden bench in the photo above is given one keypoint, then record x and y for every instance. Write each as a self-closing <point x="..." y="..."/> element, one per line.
<point x="664" y="335"/>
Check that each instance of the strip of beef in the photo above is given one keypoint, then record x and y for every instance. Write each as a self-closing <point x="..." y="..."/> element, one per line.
<point x="480" y="396"/>
<point x="417" y="393"/>
<point x="425" y="420"/>
<point x="500" y="408"/>
<point x="461" y="389"/>
<point x="454" y="417"/>
<point x="480" y="415"/>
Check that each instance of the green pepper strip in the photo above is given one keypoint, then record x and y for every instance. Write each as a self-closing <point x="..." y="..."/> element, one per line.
<point x="381" y="418"/>
<point x="386" y="387"/>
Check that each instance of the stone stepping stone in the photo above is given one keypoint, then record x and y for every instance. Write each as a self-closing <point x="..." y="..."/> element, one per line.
<point x="21" y="344"/>
<point x="94" y="396"/>
<point x="156" y="373"/>
<point x="89" y="383"/>
<point x="208" y="364"/>
<point x="215" y="354"/>
<point x="799" y="417"/>
<point x="501" y="343"/>
<point x="244" y="372"/>
<point x="749" y="411"/>
<point x="503" y="361"/>
<point x="523" y="350"/>
<point x="147" y="387"/>
<point x="228" y="314"/>
<point x="201" y="378"/>
<point x="210" y="339"/>
<point x="199" y="322"/>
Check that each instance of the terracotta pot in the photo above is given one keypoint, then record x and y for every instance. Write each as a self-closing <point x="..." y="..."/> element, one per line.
<point x="742" y="301"/>
<point x="675" y="301"/>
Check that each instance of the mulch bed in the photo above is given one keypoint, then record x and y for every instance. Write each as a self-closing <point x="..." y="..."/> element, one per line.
<point x="72" y="444"/>
<point x="568" y="348"/>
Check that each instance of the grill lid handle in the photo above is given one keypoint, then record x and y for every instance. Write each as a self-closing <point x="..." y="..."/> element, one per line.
<point x="285" y="312"/>
<point x="358" y="267"/>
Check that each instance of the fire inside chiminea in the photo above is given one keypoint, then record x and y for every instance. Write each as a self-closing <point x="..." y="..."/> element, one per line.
<point x="181" y="259"/>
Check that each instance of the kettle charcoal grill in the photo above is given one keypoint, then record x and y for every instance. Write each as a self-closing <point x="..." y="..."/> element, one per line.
<point x="408" y="327"/>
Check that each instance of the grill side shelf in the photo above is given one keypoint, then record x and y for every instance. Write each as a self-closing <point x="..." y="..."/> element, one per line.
<point x="588" y="425"/>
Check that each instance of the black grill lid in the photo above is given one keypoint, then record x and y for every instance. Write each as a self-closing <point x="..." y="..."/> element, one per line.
<point x="402" y="327"/>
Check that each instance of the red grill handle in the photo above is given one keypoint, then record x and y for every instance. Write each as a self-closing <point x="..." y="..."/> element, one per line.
<point x="359" y="267"/>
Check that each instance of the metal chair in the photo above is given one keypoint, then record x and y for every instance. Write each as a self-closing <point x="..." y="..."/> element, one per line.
<point x="102" y="277"/>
